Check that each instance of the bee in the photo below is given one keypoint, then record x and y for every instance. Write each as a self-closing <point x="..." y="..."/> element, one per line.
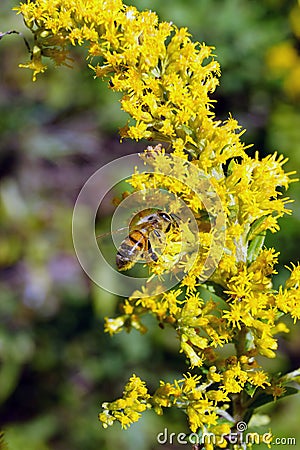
<point x="139" y="243"/>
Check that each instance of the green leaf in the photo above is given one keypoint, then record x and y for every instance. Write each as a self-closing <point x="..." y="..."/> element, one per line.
<point x="264" y="398"/>
<point x="230" y="165"/>
<point x="250" y="389"/>
<point x="215" y="291"/>
<point x="259" y="420"/>
<point x="255" y="228"/>
<point x="255" y="247"/>
<point x="291" y="377"/>
<point x="186" y="129"/>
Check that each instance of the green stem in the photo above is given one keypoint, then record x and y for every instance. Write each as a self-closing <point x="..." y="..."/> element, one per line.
<point x="240" y="407"/>
<point x="240" y="342"/>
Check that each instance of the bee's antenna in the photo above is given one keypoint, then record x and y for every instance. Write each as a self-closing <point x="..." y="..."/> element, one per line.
<point x="175" y="217"/>
<point x="109" y="233"/>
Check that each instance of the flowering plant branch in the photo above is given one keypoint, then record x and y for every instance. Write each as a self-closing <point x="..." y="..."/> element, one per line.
<point x="166" y="80"/>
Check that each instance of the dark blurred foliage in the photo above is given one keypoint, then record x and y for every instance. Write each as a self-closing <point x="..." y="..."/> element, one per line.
<point x="56" y="363"/>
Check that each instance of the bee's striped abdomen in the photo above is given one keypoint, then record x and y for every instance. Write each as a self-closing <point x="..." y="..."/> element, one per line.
<point x="130" y="250"/>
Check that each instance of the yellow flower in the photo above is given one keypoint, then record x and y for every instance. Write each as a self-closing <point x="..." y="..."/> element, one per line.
<point x="240" y="285"/>
<point x="259" y="378"/>
<point x="294" y="280"/>
<point x="190" y="282"/>
<point x="213" y="375"/>
<point x="277" y="390"/>
<point x="36" y="63"/>
<point x="166" y="395"/>
<point x="237" y="315"/>
<point x="234" y="379"/>
<point x="190" y="382"/>
<point x="129" y="408"/>
<point x="201" y="412"/>
<point x="195" y="360"/>
<point x="172" y="297"/>
<point x="113" y="326"/>
<point x="218" y="396"/>
<point x="127" y="307"/>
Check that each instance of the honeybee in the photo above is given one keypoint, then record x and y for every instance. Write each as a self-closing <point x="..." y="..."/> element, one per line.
<point x="139" y="242"/>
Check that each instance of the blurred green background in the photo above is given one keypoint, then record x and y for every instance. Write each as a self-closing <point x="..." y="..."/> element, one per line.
<point x="56" y="364"/>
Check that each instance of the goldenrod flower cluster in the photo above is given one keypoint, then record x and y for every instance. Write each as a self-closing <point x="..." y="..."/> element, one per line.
<point x="128" y="409"/>
<point x="166" y="81"/>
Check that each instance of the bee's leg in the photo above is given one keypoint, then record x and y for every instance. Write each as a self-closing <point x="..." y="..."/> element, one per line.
<point x="158" y="235"/>
<point x="150" y="254"/>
